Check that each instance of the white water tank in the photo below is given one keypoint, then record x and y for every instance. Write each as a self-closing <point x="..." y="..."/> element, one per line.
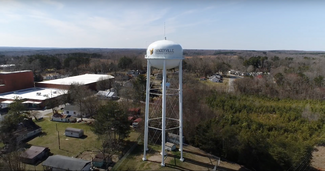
<point x="164" y="50"/>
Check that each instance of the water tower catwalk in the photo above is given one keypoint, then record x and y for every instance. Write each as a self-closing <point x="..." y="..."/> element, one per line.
<point x="164" y="55"/>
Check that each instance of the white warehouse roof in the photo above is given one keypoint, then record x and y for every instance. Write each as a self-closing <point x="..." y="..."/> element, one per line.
<point x="81" y="79"/>
<point x="33" y="94"/>
<point x="12" y="72"/>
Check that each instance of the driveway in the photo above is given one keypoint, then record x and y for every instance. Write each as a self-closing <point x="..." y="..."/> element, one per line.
<point x="43" y="113"/>
<point x="231" y="82"/>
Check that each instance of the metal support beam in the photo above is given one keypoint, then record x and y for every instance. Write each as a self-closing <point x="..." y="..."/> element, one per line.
<point x="163" y="120"/>
<point x="180" y="75"/>
<point x="146" y="113"/>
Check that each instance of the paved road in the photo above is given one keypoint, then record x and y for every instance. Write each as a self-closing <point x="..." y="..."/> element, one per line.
<point x="231" y="82"/>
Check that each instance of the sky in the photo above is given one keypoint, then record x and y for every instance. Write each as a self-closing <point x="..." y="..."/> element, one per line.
<point x="194" y="24"/>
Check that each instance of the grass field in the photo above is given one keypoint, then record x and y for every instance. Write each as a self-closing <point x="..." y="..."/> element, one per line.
<point x="134" y="160"/>
<point x="69" y="146"/>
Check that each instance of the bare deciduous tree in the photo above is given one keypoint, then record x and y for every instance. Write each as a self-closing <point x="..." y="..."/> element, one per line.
<point x="11" y="162"/>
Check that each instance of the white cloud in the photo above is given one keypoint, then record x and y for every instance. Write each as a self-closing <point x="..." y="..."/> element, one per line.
<point x="8" y="10"/>
<point x="101" y="23"/>
<point x="54" y="3"/>
<point x="64" y="27"/>
<point x="7" y="17"/>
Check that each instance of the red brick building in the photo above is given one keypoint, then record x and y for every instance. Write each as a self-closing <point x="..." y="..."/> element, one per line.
<point x="17" y="80"/>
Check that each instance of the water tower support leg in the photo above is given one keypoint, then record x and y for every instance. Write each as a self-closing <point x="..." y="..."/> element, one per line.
<point x="163" y="126"/>
<point x="180" y="76"/>
<point x="145" y="148"/>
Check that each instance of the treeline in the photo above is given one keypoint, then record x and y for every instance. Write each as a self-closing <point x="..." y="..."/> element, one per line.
<point x="259" y="132"/>
<point x="75" y="61"/>
<point x="292" y="83"/>
<point x="60" y="61"/>
<point x="71" y="63"/>
<point x="256" y="62"/>
<point x="45" y="61"/>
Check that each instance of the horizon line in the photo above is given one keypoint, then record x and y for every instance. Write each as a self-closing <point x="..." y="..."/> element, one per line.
<point x="146" y="48"/>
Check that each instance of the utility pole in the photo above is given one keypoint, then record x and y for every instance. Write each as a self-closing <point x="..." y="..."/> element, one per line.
<point x="58" y="134"/>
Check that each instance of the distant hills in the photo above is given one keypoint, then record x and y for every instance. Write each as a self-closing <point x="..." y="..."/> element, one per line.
<point x="24" y="51"/>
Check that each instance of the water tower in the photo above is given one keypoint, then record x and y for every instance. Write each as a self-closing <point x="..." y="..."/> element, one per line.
<point x="164" y="55"/>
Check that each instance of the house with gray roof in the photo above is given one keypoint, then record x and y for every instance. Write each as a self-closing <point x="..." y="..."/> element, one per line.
<point x="58" y="162"/>
<point x="34" y="154"/>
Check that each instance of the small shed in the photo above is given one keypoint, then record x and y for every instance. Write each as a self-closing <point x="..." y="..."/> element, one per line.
<point x="99" y="160"/>
<point x="173" y="138"/>
<point x="34" y="154"/>
<point x="74" y="132"/>
<point x="170" y="146"/>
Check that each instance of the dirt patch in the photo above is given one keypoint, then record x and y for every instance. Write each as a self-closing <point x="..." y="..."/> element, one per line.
<point x="157" y="157"/>
<point x="318" y="160"/>
<point x="200" y="160"/>
<point x="194" y="159"/>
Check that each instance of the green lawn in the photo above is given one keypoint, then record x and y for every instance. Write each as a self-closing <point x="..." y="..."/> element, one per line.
<point x="69" y="146"/>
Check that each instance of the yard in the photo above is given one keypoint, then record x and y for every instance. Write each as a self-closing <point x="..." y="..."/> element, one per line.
<point x="69" y="146"/>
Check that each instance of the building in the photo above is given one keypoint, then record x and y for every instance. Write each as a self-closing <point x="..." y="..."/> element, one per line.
<point x="74" y="132"/>
<point x="216" y="78"/>
<point x="26" y="130"/>
<point x="107" y="95"/>
<point x="88" y="80"/>
<point x="16" y="80"/>
<point x="170" y="146"/>
<point x="7" y="67"/>
<point x="99" y="160"/>
<point x="34" y="97"/>
<point x="73" y="110"/>
<point x="34" y="154"/>
<point x="173" y="138"/>
<point x="58" y="162"/>
<point x="20" y="85"/>
<point x="63" y="118"/>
